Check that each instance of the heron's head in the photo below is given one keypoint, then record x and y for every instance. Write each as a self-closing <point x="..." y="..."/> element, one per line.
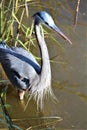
<point x="44" y="18"/>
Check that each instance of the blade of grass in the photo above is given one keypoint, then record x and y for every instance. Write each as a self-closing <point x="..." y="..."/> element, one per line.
<point x="7" y="117"/>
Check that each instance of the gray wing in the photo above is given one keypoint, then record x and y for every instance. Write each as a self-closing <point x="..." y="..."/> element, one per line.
<point x="20" y="66"/>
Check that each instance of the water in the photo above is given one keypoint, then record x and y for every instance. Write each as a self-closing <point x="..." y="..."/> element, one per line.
<point x="69" y="75"/>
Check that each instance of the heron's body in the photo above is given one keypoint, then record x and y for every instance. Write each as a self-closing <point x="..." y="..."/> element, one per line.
<point x="21" y="67"/>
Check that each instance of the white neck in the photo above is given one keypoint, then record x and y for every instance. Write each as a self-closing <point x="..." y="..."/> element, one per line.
<point x="42" y="88"/>
<point x="45" y="74"/>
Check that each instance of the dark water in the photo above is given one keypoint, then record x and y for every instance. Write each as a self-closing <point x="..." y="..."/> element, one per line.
<point x="69" y="75"/>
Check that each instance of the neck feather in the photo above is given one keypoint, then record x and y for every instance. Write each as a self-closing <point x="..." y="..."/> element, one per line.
<point x="45" y="63"/>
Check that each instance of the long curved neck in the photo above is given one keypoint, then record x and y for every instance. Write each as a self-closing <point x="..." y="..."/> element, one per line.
<point x="45" y="63"/>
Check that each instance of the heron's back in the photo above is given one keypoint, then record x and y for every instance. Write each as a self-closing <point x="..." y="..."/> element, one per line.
<point x="19" y="65"/>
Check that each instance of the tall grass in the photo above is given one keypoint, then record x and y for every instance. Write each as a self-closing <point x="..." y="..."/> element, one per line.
<point x="13" y="32"/>
<point x="12" y="29"/>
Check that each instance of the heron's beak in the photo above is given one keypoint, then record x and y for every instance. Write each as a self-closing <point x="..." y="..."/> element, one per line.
<point x="55" y="28"/>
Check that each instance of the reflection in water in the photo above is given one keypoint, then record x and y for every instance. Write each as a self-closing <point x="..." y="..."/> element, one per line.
<point x="69" y="75"/>
<point x="71" y="88"/>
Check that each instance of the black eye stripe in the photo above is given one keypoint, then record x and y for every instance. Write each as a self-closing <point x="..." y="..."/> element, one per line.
<point x="46" y="23"/>
<point x="41" y="17"/>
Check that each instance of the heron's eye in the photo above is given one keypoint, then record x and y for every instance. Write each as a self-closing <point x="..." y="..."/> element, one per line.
<point x="46" y="23"/>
